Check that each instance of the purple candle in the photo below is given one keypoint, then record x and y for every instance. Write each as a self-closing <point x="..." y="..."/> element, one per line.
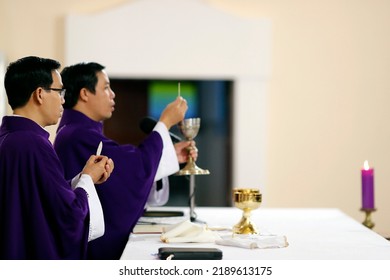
<point x="367" y="187"/>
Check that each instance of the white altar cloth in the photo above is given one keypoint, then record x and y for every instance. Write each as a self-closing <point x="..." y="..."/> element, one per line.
<point x="312" y="234"/>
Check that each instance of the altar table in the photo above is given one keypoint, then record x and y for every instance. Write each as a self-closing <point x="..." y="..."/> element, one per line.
<point x="312" y="234"/>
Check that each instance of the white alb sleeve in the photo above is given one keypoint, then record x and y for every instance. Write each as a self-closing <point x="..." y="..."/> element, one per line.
<point x="96" y="218"/>
<point x="161" y="196"/>
<point x="169" y="163"/>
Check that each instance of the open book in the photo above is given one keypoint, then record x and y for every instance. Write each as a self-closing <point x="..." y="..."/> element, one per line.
<point x="156" y="224"/>
<point x="149" y="228"/>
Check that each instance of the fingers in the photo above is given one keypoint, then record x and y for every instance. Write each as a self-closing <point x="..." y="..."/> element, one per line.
<point x="92" y="159"/>
<point x="185" y="150"/>
<point x="181" y="104"/>
<point x="109" y="166"/>
<point x="103" y="160"/>
<point x="194" y="154"/>
<point x="99" y="168"/>
<point x="174" y="112"/>
<point x="184" y="144"/>
<point x="180" y="99"/>
<point x="103" y="178"/>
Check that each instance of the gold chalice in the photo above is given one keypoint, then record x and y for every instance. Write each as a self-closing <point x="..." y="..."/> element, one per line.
<point x="246" y="200"/>
<point x="190" y="128"/>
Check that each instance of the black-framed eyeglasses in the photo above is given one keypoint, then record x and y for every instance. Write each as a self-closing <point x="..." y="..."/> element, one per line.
<point x="61" y="91"/>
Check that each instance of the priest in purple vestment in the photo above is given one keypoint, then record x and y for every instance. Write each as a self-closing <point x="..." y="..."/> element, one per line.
<point x="90" y="101"/>
<point x="42" y="215"/>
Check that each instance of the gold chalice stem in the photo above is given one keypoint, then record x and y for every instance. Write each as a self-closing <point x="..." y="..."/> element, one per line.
<point x="245" y="225"/>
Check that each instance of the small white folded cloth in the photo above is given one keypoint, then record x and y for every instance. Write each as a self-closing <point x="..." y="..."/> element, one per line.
<point x="253" y="241"/>
<point x="188" y="232"/>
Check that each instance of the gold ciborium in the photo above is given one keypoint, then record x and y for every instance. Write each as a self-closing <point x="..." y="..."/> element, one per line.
<point x="246" y="200"/>
<point x="190" y="128"/>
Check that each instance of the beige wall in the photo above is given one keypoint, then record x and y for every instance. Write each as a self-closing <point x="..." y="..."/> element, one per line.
<point x="327" y="98"/>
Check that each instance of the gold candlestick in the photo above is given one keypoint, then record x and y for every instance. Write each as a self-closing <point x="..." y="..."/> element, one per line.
<point x="367" y="221"/>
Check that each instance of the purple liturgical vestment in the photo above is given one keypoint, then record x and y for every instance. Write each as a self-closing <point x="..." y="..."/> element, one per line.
<point x="124" y="194"/>
<point x="41" y="217"/>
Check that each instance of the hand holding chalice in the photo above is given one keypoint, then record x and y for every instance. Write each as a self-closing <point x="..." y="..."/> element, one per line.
<point x="190" y="128"/>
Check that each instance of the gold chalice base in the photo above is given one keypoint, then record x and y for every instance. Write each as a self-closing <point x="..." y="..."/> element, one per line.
<point x="192" y="169"/>
<point x="246" y="200"/>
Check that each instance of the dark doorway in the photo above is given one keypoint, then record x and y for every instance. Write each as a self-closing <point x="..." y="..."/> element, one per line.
<point x="209" y="100"/>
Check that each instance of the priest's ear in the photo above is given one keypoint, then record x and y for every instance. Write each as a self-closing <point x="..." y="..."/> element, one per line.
<point x="38" y="95"/>
<point x="84" y="94"/>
